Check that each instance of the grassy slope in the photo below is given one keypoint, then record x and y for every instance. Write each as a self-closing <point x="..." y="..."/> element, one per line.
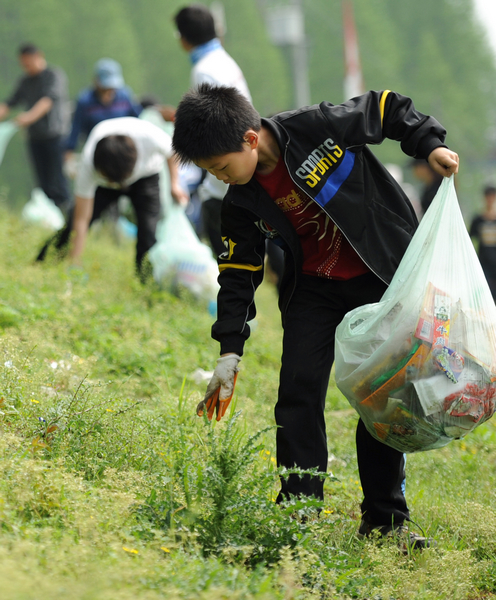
<point x="111" y="488"/>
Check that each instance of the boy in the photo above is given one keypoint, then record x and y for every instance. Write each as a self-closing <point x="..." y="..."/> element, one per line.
<point x="307" y="179"/>
<point x="122" y="156"/>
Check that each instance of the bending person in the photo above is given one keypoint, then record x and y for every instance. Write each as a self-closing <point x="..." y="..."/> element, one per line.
<point x="122" y="156"/>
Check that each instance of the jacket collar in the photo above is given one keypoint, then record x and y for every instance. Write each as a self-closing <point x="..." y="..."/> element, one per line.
<point x="199" y="52"/>
<point x="280" y="134"/>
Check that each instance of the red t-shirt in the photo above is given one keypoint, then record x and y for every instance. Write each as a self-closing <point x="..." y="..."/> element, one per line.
<point x="326" y="252"/>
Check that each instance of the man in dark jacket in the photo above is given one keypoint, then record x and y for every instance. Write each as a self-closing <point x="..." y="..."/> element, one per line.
<point x="108" y="98"/>
<point x="307" y="179"/>
<point x="43" y="92"/>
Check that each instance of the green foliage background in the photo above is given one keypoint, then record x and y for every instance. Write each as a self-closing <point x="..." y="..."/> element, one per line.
<point x="435" y="52"/>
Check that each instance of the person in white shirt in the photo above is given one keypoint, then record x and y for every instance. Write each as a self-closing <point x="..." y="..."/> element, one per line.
<point x="211" y="64"/>
<point x="123" y="156"/>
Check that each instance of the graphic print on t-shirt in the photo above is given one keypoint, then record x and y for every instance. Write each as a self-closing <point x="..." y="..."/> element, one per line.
<point x="320" y="238"/>
<point x="326" y="253"/>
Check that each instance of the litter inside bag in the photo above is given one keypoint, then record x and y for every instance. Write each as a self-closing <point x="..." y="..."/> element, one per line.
<point x="180" y="259"/>
<point x="40" y="210"/>
<point x="420" y="365"/>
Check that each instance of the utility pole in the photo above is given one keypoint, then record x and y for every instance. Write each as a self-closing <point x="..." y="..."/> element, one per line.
<point x="353" y="79"/>
<point x="286" y="27"/>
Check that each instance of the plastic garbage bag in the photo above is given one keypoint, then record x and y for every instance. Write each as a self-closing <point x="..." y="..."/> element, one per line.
<point x="7" y="130"/>
<point x="180" y="259"/>
<point x="127" y="228"/>
<point x="40" y="210"/>
<point x="420" y="365"/>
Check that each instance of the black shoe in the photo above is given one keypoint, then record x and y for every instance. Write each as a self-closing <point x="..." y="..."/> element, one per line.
<point x="407" y="540"/>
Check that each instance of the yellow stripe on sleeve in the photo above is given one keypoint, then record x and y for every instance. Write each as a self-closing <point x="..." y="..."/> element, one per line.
<point x="382" y="104"/>
<point x="239" y="266"/>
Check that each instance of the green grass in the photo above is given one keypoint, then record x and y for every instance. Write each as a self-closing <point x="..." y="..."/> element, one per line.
<point x="111" y="488"/>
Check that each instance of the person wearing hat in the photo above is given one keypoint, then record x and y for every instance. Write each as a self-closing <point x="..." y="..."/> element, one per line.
<point x="44" y="95"/>
<point x="109" y="98"/>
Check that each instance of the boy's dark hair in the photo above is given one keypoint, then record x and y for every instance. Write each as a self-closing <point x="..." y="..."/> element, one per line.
<point x="489" y="190"/>
<point x="115" y="157"/>
<point x="195" y="24"/>
<point x="212" y="121"/>
<point x="28" y="49"/>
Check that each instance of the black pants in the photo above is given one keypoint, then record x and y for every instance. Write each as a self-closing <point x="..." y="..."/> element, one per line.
<point x="275" y="258"/>
<point x="145" y="198"/>
<point x="47" y="159"/>
<point x="315" y="310"/>
<point x="210" y="215"/>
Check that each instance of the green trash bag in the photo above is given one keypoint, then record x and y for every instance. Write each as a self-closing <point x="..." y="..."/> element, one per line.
<point x="419" y="366"/>
<point x="40" y="210"/>
<point x="180" y="260"/>
<point x="7" y="130"/>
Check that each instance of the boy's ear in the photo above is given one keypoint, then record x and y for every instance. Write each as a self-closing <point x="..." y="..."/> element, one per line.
<point x="251" y="137"/>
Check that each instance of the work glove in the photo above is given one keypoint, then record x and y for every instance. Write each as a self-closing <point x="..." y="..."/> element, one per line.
<point x="220" y="388"/>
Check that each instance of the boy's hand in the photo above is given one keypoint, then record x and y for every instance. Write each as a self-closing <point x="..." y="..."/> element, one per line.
<point x="220" y="388"/>
<point x="444" y="161"/>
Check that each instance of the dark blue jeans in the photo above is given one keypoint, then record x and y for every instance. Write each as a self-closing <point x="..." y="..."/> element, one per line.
<point x="316" y="308"/>
<point x="47" y="158"/>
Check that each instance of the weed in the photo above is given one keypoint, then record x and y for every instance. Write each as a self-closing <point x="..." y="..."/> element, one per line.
<point x="111" y="488"/>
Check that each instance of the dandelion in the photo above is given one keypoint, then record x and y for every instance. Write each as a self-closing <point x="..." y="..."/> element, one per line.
<point x="164" y="549"/>
<point x="35" y="401"/>
<point x="130" y="550"/>
<point x="110" y="410"/>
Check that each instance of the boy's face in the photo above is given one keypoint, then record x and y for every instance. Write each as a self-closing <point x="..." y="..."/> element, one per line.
<point x="235" y="168"/>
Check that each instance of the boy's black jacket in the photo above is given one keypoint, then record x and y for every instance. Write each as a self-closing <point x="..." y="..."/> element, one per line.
<point x="324" y="149"/>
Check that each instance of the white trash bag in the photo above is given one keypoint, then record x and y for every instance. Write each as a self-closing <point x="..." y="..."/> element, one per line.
<point x="40" y="210"/>
<point x="7" y="130"/>
<point x="420" y="365"/>
<point x="180" y="259"/>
